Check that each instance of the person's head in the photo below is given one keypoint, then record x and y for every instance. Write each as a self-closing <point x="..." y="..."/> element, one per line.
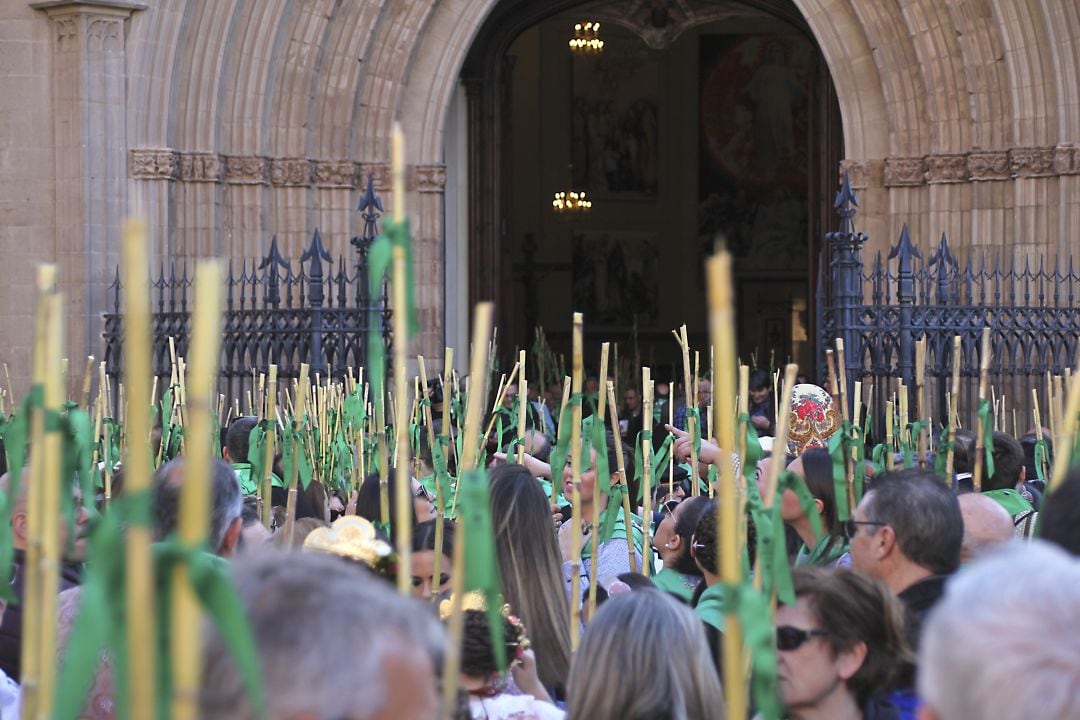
<point x="592" y="385"/>
<point x="909" y="525"/>
<point x="705" y="543"/>
<point x="760" y="383"/>
<point x="226" y="504"/>
<point x="964" y="452"/>
<point x="253" y="534"/>
<point x="369" y="501"/>
<point x="75" y="551"/>
<point x="510" y="393"/>
<point x="332" y="642"/>
<point x="530" y="567"/>
<point x="236" y="439"/>
<point x="815" y="468"/>
<point x="631" y="399"/>
<point x="704" y="393"/>
<point x="589" y="489"/>
<point x="1008" y="464"/>
<point x="1060" y="515"/>
<point x="537" y="444"/>
<point x="1029" y="443"/>
<point x="423" y="558"/>
<point x="986" y="523"/>
<point x="676" y="531"/>
<point x="478" y="661"/>
<point x="1002" y="642"/>
<point x="681" y="680"/>
<point x="844" y="634"/>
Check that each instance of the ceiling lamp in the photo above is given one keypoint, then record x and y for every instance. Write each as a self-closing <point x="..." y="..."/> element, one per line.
<point x="571" y="202"/>
<point x="586" y="38"/>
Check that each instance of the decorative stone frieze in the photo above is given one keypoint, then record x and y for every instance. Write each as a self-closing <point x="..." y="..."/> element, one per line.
<point x="1032" y="162"/>
<point x="946" y="169"/>
<point x="901" y="172"/>
<point x="989" y="165"/>
<point x="430" y="178"/>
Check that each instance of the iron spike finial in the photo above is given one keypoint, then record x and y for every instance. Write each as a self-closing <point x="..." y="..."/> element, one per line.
<point x="905" y="249"/>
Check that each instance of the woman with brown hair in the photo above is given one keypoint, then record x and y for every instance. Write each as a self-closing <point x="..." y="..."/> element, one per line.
<point x="840" y="646"/>
<point x="530" y="567"/>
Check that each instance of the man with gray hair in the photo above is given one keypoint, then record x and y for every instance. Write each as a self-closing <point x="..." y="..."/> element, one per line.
<point x="333" y="641"/>
<point x="1005" y="649"/>
<point x="226" y="504"/>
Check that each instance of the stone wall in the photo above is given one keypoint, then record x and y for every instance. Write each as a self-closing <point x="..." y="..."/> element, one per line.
<point x="226" y="121"/>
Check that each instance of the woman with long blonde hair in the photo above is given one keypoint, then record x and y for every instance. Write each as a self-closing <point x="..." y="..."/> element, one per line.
<point x="644" y="657"/>
<point x="530" y="567"/>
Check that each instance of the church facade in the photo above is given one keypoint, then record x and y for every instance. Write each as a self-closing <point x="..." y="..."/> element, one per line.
<point x="223" y="122"/>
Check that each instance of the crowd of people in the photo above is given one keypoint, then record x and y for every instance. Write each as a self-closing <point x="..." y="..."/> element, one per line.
<point x="929" y="600"/>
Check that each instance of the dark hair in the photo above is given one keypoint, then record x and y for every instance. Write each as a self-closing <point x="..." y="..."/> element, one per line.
<point x="423" y="537"/>
<point x="852" y="609"/>
<point x="705" y="540"/>
<point x="635" y="581"/>
<point x="924" y="515"/>
<point x="225" y="500"/>
<point x="964" y="452"/>
<point x="236" y="439"/>
<point x="1008" y="463"/>
<point x="1060" y="517"/>
<point x="368" y="503"/>
<point x="760" y="380"/>
<point x="818" y="471"/>
<point x="686" y="523"/>
<point x="477" y="653"/>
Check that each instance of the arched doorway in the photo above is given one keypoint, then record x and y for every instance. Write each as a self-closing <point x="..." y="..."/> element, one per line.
<point x="678" y="132"/>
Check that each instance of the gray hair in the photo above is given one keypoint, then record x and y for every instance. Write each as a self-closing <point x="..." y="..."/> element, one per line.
<point x="618" y="672"/>
<point x="1002" y="642"/>
<point x="323" y="629"/>
<point x="923" y="513"/>
<point x="226" y="502"/>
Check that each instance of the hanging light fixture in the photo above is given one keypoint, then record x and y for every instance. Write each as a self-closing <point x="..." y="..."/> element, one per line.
<point x="571" y="201"/>
<point x="586" y="38"/>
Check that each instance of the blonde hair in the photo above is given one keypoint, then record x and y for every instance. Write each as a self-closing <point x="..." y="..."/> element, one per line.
<point x="530" y="566"/>
<point x="620" y="671"/>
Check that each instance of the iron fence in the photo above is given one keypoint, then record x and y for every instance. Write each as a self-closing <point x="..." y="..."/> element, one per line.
<point x="883" y="310"/>
<point x="320" y="313"/>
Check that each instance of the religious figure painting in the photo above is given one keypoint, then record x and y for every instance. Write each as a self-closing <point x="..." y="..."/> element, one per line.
<point x="754" y="124"/>
<point x="615" y="276"/>
<point x="615" y="125"/>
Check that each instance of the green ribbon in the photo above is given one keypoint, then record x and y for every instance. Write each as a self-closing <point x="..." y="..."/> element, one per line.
<point x="481" y="567"/>
<point x="1042" y="456"/>
<point x="562" y="447"/>
<point x="754" y="613"/>
<point x="839" y="450"/>
<point x="395" y="234"/>
<point x="987" y="421"/>
<point x="941" y="458"/>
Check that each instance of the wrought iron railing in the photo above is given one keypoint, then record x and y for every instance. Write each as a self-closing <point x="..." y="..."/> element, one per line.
<point x="1031" y="309"/>
<point x="320" y="313"/>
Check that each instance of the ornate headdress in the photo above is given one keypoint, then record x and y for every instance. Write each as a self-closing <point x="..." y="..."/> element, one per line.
<point x="354" y="538"/>
<point x="813" y="419"/>
<point x="475" y="601"/>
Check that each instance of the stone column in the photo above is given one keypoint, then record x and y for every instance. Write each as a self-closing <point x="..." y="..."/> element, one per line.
<point x="88" y="98"/>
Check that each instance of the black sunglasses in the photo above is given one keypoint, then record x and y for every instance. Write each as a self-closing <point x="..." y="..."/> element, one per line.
<point x="851" y="527"/>
<point x="792" y="638"/>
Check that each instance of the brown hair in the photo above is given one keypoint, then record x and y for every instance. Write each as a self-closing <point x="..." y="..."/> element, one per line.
<point x="855" y="609"/>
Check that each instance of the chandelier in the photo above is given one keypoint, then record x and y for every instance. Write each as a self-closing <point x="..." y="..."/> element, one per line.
<point x="586" y="38"/>
<point x="572" y="201"/>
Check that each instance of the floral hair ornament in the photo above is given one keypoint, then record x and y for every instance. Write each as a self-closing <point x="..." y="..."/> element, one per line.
<point x="353" y="538"/>
<point x="813" y="419"/>
<point x="475" y="601"/>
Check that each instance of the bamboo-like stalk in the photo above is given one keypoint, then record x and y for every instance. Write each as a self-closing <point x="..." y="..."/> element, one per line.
<point x="776" y="463"/>
<point x="646" y="460"/>
<point x="601" y="406"/>
<point x="1063" y="444"/>
<point x="613" y="409"/>
<point x="455" y="627"/>
<point x="743" y="398"/>
<point x="980" y="432"/>
<point x="1037" y="416"/>
<point x="139" y="590"/>
<point x="266" y="481"/>
<point x="830" y="363"/>
<point x="721" y="332"/>
<point x="575" y="469"/>
<point x="712" y="402"/>
<point x="890" y="441"/>
<point x="402" y="489"/>
<point x="671" y="422"/>
<point x="920" y="398"/>
<point x="195" y="493"/>
<point x="88" y="376"/>
<point x="299" y="413"/>
<point x="955" y="391"/>
<point x="902" y="407"/>
<point x="523" y="406"/>
<point x="1050" y="405"/>
<point x="440" y="520"/>
<point x="1058" y="418"/>
<point x="849" y="468"/>
<point x="33" y="613"/>
<point x="690" y="391"/>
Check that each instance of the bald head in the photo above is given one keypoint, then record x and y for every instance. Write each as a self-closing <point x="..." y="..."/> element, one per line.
<point x="986" y="523"/>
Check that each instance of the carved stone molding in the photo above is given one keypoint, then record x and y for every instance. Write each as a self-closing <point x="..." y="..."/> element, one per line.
<point x="200" y="167"/>
<point x="380" y="175"/>
<point x="901" y="172"/>
<point x="989" y="165"/>
<point x="245" y="169"/>
<point x="336" y="173"/>
<point x="946" y="169"/>
<point x="1032" y="162"/>
<point x="864" y="173"/>
<point x="152" y="164"/>
<point x="290" y="172"/>
<point x="430" y="178"/>
<point x="1067" y="160"/>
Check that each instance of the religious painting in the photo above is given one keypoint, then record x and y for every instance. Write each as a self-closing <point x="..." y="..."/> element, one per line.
<point x="754" y="136"/>
<point x="615" y="278"/>
<point x="614" y="131"/>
